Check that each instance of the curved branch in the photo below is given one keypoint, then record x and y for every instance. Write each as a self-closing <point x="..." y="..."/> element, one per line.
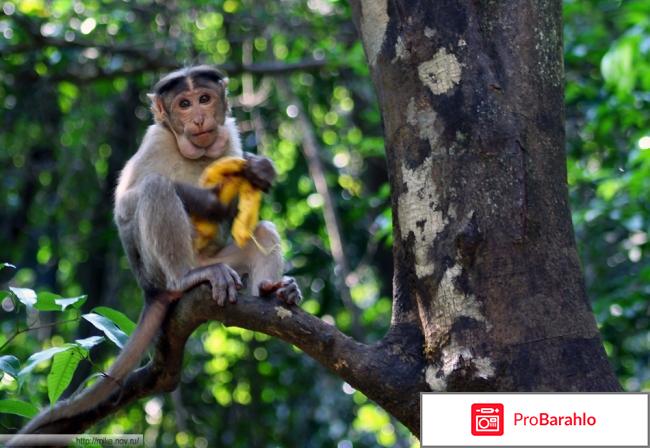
<point x="389" y="372"/>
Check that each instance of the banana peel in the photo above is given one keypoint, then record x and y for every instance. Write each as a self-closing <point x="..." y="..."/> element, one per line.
<point x="227" y="173"/>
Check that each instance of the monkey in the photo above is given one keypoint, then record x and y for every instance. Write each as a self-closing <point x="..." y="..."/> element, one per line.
<point x="157" y="191"/>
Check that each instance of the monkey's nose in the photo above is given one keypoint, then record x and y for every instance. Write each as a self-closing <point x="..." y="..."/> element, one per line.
<point x="198" y="121"/>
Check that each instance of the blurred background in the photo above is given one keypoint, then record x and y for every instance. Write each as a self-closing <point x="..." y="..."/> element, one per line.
<point x="73" y="82"/>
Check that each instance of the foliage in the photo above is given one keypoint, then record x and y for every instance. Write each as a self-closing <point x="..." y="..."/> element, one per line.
<point x="73" y="79"/>
<point x="607" y="54"/>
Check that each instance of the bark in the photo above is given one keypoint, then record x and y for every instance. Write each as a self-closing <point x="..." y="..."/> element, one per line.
<point x="485" y="256"/>
<point x="488" y="292"/>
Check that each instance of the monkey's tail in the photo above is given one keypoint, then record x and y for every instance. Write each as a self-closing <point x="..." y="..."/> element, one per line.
<point x="150" y="321"/>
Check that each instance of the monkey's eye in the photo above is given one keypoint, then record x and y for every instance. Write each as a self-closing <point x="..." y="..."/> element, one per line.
<point x="204" y="99"/>
<point x="184" y="104"/>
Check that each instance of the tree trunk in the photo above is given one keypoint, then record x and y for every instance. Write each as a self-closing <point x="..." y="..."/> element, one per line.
<point x="486" y="265"/>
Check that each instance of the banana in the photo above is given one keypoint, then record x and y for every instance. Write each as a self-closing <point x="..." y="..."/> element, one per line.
<point x="227" y="173"/>
<point x="250" y="199"/>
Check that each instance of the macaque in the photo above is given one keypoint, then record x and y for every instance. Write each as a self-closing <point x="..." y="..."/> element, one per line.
<point x="157" y="192"/>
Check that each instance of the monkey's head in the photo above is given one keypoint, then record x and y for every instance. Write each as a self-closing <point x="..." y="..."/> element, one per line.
<point x="191" y="102"/>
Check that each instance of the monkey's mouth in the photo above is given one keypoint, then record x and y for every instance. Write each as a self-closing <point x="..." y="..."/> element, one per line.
<point x="205" y="138"/>
<point x="200" y="134"/>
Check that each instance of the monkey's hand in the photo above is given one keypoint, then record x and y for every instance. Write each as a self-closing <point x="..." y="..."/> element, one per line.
<point x="286" y="290"/>
<point x="203" y="202"/>
<point x="225" y="282"/>
<point x="259" y="171"/>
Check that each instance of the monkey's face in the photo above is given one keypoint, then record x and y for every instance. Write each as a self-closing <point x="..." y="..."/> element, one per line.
<point x="197" y="116"/>
<point x="199" y="112"/>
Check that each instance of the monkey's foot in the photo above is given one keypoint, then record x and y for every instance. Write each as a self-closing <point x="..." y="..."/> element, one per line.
<point x="225" y="282"/>
<point x="286" y="290"/>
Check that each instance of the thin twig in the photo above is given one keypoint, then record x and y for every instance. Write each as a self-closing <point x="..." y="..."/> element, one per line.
<point x="37" y="327"/>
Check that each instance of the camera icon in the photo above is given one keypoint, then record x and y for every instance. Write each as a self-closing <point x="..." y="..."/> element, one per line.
<point x="487" y="419"/>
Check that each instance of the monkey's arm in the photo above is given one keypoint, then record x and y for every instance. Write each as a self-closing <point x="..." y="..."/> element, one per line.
<point x="259" y="171"/>
<point x="202" y="202"/>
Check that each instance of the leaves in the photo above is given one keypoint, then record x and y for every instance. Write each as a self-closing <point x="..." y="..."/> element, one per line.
<point x="66" y="358"/>
<point x="90" y="342"/>
<point x="10" y="364"/>
<point x="47" y="301"/>
<point x="118" y="318"/>
<point x="112" y="332"/>
<point x="64" y="365"/>
<point x="42" y="356"/>
<point x="18" y="407"/>
<point x="609" y="170"/>
<point x="75" y="302"/>
<point x="7" y="271"/>
<point x="25" y="295"/>
<point x="618" y="68"/>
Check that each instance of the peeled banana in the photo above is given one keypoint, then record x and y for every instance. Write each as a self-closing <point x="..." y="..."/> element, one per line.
<point x="227" y="173"/>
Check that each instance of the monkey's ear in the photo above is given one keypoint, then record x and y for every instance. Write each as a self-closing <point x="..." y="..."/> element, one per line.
<point x="225" y="81"/>
<point x="157" y="108"/>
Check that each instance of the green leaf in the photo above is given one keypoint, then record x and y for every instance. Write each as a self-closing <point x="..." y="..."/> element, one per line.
<point x="111" y="331"/>
<point x="25" y="295"/>
<point x="608" y="188"/>
<point x="64" y="365"/>
<point x="7" y="271"/>
<point x="75" y="302"/>
<point x="118" y="318"/>
<point x="18" y="407"/>
<point x="90" y="342"/>
<point x="10" y="365"/>
<point x="46" y="301"/>
<point x="68" y="92"/>
<point x="619" y="65"/>
<point x="41" y="356"/>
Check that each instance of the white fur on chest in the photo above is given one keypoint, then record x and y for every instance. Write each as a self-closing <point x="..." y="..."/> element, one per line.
<point x="159" y="154"/>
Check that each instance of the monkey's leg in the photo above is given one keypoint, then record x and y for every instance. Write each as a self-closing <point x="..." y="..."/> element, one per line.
<point x="165" y="234"/>
<point x="264" y="264"/>
<point x="266" y="271"/>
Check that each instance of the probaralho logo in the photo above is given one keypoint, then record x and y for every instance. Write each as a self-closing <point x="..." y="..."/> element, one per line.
<point x="487" y="419"/>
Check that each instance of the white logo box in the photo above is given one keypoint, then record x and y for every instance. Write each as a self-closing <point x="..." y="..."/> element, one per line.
<point x="538" y="419"/>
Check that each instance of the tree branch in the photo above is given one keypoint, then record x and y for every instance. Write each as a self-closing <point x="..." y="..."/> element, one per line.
<point x="142" y="57"/>
<point x="389" y="372"/>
